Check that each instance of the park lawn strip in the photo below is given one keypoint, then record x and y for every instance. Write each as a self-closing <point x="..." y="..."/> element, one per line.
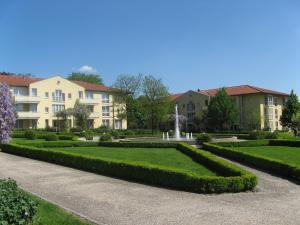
<point x="167" y="158"/>
<point x="50" y="214"/>
<point x="290" y="155"/>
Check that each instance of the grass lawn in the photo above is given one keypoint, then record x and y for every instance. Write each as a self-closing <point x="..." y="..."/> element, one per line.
<point x="50" y="214"/>
<point x="290" y="155"/>
<point x="168" y="158"/>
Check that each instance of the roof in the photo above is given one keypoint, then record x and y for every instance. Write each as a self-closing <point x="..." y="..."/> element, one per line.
<point x="18" y="80"/>
<point x="241" y="90"/>
<point x="91" y="86"/>
<point x="175" y="96"/>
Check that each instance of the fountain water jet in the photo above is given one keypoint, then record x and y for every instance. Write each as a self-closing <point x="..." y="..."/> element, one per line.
<point x="177" y="131"/>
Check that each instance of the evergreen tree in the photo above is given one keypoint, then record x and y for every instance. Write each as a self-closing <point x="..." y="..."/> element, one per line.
<point x="291" y="108"/>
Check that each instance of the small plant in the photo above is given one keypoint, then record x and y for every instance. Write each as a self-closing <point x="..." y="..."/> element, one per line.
<point x="203" y="137"/>
<point x="272" y="135"/>
<point x="15" y="207"/>
<point x="129" y="133"/>
<point x="255" y="135"/>
<point x="30" y="134"/>
<point x="65" y="137"/>
<point x="51" y="137"/>
<point x="88" y="135"/>
<point x="115" y="134"/>
<point x="105" y="137"/>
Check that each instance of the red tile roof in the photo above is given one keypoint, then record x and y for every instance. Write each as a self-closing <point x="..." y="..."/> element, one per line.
<point x="175" y="96"/>
<point x="18" y="80"/>
<point x="90" y="86"/>
<point x="242" y="90"/>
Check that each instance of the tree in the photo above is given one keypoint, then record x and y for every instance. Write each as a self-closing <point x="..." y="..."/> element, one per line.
<point x="7" y="115"/>
<point x="156" y="101"/>
<point x="129" y="87"/>
<point x="64" y="115"/>
<point x="222" y="111"/>
<point x="81" y="114"/>
<point x="291" y="108"/>
<point x="90" y="78"/>
<point x="295" y="123"/>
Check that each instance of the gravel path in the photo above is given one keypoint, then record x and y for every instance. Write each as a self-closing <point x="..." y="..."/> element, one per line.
<point x="112" y="201"/>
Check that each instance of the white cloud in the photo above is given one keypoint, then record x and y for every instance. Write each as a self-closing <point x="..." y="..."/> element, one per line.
<point x="87" y="69"/>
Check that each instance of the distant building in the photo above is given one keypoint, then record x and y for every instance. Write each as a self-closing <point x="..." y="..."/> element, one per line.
<point x="258" y="108"/>
<point x="37" y="100"/>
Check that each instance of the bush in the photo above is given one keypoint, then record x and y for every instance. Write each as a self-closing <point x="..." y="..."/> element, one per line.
<point x="238" y="179"/>
<point x="203" y="137"/>
<point x="252" y="143"/>
<point x="129" y="133"/>
<point x="115" y="134"/>
<point x="261" y="162"/>
<point x="105" y="137"/>
<point x="254" y="135"/>
<point x="89" y="135"/>
<point x="291" y="143"/>
<point x="65" y="137"/>
<point x="51" y="137"/>
<point x="58" y="144"/>
<point x="30" y="134"/>
<point x="16" y="207"/>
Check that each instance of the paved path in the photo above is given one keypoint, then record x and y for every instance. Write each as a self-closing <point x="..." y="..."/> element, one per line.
<point x="112" y="201"/>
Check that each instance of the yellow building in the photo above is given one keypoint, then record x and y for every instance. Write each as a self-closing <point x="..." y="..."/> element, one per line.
<point x="258" y="108"/>
<point x="38" y="100"/>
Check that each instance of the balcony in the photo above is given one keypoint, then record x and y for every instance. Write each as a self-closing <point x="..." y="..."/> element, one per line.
<point x="26" y="99"/>
<point x="89" y="101"/>
<point x="95" y="115"/>
<point x="28" y="115"/>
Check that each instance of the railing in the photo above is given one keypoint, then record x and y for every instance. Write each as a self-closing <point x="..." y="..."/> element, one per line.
<point x="26" y="99"/>
<point x="28" y="115"/>
<point x="89" y="101"/>
<point x="95" y="115"/>
<point x="58" y="99"/>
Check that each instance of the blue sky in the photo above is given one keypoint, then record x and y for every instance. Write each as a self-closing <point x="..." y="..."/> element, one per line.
<point x="189" y="44"/>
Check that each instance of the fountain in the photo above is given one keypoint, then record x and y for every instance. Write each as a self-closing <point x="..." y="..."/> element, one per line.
<point x="177" y="131"/>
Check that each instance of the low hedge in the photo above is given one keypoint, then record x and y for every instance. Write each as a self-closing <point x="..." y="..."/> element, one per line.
<point x="291" y="143"/>
<point x="140" y="144"/>
<point x="253" y="143"/>
<point x="55" y="144"/>
<point x="238" y="179"/>
<point x="274" y="166"/>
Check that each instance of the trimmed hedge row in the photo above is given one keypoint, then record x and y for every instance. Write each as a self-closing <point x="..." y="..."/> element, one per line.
<point x="274" y="166"/>
<point x="55" y="144"/>
<point x="253" y="143"/>
<point x="139" y="144"/>
<point x="291" y="143"/>
<point x="239" y="180"/>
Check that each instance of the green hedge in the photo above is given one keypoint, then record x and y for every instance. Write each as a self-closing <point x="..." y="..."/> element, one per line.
<point x="291" y="143"/>
<point x="274" y="166"/>
<point x="239" y="180"/>
<point x="253" y="143"/>
<point x="55" y="144"/>
<point x="140" y="144"/>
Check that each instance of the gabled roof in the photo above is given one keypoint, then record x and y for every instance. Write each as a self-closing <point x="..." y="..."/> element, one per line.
<point x="18" y="80"/>
<point x="90" y="86"/>
<point x="242" y="90"/>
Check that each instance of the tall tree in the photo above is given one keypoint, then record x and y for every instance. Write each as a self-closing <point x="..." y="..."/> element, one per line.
<point x="291" y="108"/>
<point x="295" y="125"/>
<point x="90" y="78"/>
<point x="7" y="114"/>
<point x="128" y="89"/>
<point x="222" y="111"/>
<point x="81" y="114"/>
<point x="156" y="101"/>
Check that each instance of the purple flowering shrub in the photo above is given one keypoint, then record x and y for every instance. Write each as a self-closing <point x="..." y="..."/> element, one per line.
<point x="7" y="115"/>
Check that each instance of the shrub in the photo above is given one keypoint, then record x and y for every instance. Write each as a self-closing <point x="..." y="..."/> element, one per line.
<point x="16" y="207"/>
<point x="254" y="135"/>
<point x="252" y="143"/>
<point x="129" y="133"/>
<point x="271" y="135"/>
<point x="105" y="137"/>
<point x="57" y="144"/>
<point x="261" y="162"/>
<point x="51" y="137"/>
<point x="65" y="137"/>
<point x="18" y="134"/>
<point x="30" y="134"/>
<point x="239" y="180"/>
<point x="203" y="137"/>
<point x="88" y="135"/>
<point x="291" y="143"/>
<point x="115" y="134"/>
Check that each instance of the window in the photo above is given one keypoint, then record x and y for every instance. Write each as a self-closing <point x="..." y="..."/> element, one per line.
<point x="89" y="95"/>
<point x="190" y="106"/>
<point x="69" y="96"/>
<point x="33" y="92"/>
<point x="183" y="106"/>
<point x="105" y="98"/>
<point x="270" y="114"/>
<point x="16" y="92"/>
<point x="118" y="124"/>
<point x="276" y="125"/>
<point x="58" y="96"/>
<point x="46" y="94"/>
<point x="80" y="93"/>
<point x="19" y="107"/>
<point x="275" y="101"/>
<point x="47" y="109"/>
<point x="34" y="124"/>
<point x="33" y="107"/>
<point x="105" y="110"/>
<point x="105" y="123"/>
<point x="57" y="108"/>
<point x="269" y="100"/>
<point x="276" y="114"/>
<point x="46" y="123"/>
<point x="90" y="108"/>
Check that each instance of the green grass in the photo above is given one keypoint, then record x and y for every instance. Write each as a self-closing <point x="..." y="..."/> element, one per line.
<point x="50" y="214"/>
<point x="22" y="140"/>
<point x="167" y="158"/>
<point x="290" y="155"/>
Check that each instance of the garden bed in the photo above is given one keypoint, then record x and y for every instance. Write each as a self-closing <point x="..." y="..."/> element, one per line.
<point x="174" y="165"/>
